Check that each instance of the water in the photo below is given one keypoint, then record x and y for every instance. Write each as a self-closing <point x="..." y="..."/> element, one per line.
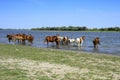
<point x="110" y="41"/>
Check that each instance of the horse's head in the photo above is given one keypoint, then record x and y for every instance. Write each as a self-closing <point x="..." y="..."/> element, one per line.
<point x="30" y="37"/>
<point x="83" y="37"/>
<point x="97" y="39"/>
<point x="65" y="38"/>
<point x="7" y="35"/>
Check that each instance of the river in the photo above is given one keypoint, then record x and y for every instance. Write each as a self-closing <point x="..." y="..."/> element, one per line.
<point x="110" y="41"/>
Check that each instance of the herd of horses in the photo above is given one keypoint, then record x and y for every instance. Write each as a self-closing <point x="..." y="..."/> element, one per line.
<point x="66" y="41"/>
<point x="22" y="38"/>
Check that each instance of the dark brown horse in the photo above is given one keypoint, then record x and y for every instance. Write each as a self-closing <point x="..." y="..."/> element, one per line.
<point x="52" y="39"/>
<point x="10" y="37"/>
<point x="96" y="42"/>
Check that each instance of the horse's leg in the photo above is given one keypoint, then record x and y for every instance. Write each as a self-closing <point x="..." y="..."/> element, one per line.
<point x="81" y="43"/>
<point x="95" y="46"/>
<point x="62" y="42"/>
<point x="73" y="43"/>
<point x="14" y="40"/>
<point x="18" y="40"/>
<point x="31" y="41"/>
<point x="78" y="44"/>
<point x="57" y="44"/>
<point x="47" y="42"/>
<point x="9" y="39"/>
<point x="23" y="41"/>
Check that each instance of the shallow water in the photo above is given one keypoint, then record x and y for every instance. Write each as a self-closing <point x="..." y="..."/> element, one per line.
<point x="110" y="41"/>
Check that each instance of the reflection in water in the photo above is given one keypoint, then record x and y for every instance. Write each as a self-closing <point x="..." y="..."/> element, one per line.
<point x="96" y="50"/>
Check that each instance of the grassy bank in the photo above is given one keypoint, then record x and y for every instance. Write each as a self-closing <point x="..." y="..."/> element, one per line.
<point x="29" y="63"/>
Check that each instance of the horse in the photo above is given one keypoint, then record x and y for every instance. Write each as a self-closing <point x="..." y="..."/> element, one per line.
<point x="20" y="38"/>
<point x="96" y="42"/>
<point x="79" y="41"/>
<point x="60" y="39"/>
<point x="52" y="39"/>
<point x="10" y="37"/>
<point x="65" y="40"/>
<point x="71" y="40"/>
<point x="30" y="38"/>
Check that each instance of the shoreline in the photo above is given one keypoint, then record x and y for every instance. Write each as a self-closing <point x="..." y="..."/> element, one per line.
<point x="75" y="50"/>
<point x="54" y="64"/>
<point x="69" y="50"/>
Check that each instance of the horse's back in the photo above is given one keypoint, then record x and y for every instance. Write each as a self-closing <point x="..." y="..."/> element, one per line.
<point x="96" y="40"/>
<point x="77" y="39"/>
<point x="71" y="40"/>
<point x="50" y="38"/>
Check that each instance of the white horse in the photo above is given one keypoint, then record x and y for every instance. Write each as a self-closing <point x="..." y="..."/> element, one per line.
<point x="71" y="41"/>
<point x="79" y="41"/>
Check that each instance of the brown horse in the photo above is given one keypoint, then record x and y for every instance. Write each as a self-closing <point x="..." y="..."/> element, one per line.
<point x="30" y="38"/>
<point x="52" y="39"/>
<point x="10" y="37"/>
<point x="20" y="38"/>
<point x="96" y="42"/>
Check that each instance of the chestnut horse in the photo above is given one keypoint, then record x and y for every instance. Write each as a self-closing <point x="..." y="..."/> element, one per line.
<point x="96" y="42"/>
<point x="30" y="38"/>
<point x="52" y="39"/>
<point x="21" y="38"/>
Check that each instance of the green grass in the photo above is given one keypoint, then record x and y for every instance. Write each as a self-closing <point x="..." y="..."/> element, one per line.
<point x="99" y="66"/>
<point x="11" y="74"/>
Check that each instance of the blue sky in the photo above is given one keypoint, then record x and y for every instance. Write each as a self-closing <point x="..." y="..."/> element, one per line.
<point x="26" y="14"/>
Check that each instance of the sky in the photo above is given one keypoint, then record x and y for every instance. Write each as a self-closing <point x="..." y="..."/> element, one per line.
<point x="27" y="14"/>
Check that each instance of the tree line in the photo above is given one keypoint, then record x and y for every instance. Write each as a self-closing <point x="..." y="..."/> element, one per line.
<point x="77" y="28"/>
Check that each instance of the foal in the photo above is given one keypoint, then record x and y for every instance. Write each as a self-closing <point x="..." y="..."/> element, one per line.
<point x="96" y="42"/>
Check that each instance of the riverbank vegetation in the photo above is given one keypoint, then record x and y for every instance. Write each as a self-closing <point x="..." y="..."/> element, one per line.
<point x="77" y="28"/>
<point x="19" y="62"/>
